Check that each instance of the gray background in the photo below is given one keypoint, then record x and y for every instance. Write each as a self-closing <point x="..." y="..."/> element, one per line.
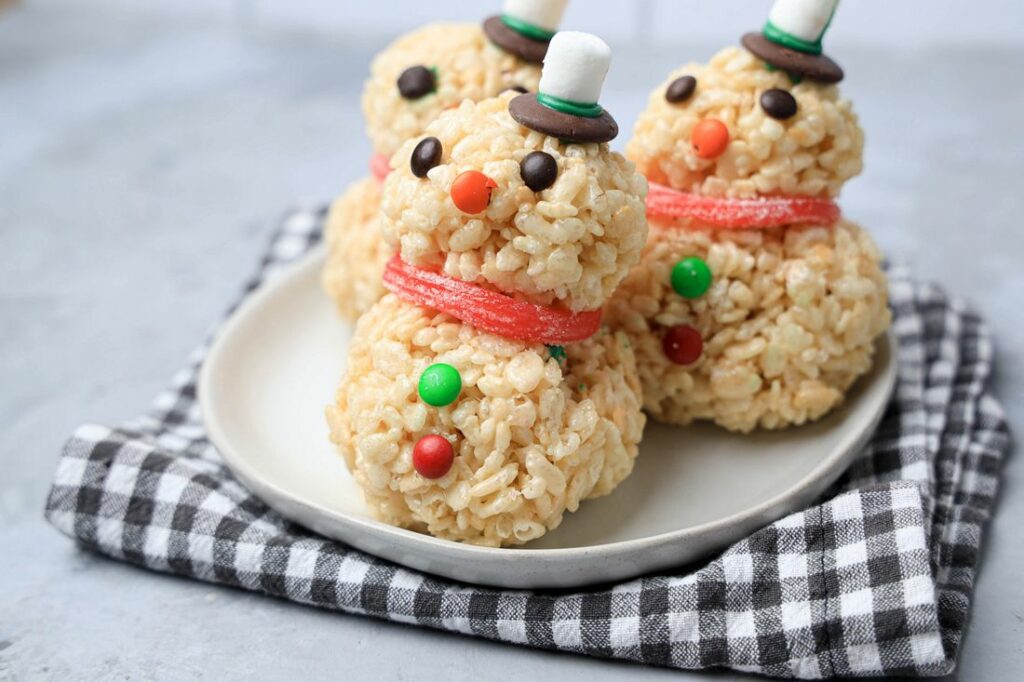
<point x="146" y="150"/>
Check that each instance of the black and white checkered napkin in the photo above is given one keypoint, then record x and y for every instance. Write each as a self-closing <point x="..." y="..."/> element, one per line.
<point x="875" y="580"/>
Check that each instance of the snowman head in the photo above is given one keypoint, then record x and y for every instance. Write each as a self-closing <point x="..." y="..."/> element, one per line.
<point x="763" y="120"/>
<point x="733" y="128"/>
<point x="486" y="199"/>
<point x="435" y="68"/>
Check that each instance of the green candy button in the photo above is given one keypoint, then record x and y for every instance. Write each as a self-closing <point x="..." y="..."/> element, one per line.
<point x="440" y="385"/>
<point x="691" y="277"/>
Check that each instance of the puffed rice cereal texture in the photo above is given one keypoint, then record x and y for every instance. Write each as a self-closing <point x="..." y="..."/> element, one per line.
<point x="467" y="64"/>
<point x="810" y="154"/>
<point x="532" y="440"/>
<point x="568" y="246"/>
<point x="789" y="322"/>
<point x="356" y="250"/>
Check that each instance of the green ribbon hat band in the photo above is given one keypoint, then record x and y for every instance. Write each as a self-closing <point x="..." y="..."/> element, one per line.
<point x="565" y="106"/>
<point x="780" y="37"/>
<point x="527" y="29"/>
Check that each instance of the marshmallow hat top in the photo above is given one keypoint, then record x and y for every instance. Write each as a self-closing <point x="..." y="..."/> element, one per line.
<point x="566" y="104"/>
<point x="543" y="14"/>
<point x="575" y="67"/>
<point x="791" y="40"/>
<point x="803" y="19"/>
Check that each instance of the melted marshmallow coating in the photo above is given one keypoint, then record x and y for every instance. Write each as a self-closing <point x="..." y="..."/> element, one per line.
<point x="569" y="245"/>
<point x="811" y="154"/>
<point x="468" y="67"/>
<point x="531" y="440"/>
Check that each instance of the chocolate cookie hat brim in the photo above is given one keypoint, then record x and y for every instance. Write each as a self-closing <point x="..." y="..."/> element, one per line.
<point x="566" y="105"/>
<point x="815" y="67"/>
<point x="513" y="42"/>
<point x="527" y="110"/>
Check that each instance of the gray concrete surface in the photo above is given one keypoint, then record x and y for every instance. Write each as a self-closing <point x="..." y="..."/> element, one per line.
<point x="143" y="160"/>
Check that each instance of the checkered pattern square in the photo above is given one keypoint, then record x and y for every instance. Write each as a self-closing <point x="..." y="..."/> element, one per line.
<point x="875" y="579"/>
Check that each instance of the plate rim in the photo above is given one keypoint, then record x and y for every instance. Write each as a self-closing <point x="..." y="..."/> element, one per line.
<point x="828" y="469"/>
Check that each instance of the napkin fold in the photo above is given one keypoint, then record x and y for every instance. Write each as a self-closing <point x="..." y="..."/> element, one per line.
<point x="876" y="579"/>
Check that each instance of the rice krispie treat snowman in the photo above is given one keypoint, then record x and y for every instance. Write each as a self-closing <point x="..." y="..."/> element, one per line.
<point x="417" y="77"/>
<point x="483" y="398"/>
<point x="756" y="304"/>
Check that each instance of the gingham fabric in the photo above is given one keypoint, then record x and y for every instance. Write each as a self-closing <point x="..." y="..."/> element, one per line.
<point x="876" y="579"/>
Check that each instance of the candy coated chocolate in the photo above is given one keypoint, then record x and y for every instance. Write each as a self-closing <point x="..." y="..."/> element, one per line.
<point x="416" y="81"/>
<point x="440" y="385"/>
<point x="432" y="456"/>
<point x="681" y="89"/>
<point x="425" y="156"/>
<point x="558" y="354"/>
<point x="710" y="138"/>
<point x="683" y="345"/>
<point x="778" y="104"/>
<point x="471" y="192"/>
<point x="539" y="170"/>
<point x="691" y="277"/>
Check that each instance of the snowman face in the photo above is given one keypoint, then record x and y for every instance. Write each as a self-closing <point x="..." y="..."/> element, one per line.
<point x="734" y="128"/>
<point x="431" y="70"/>
<point x="488" y="201"/>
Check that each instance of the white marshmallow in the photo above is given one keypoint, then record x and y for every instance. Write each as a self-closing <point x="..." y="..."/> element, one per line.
<point x="805" y="19"/>
<point x="545" y="14"/>
<point x="575" y="67"/>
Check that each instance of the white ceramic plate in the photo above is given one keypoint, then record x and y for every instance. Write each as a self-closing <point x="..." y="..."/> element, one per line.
<point x="276" y="364"/>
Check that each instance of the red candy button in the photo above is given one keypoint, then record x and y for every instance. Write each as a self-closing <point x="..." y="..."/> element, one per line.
<point x="762" y="212"/>
<point x="710" y="138"/>
<point x="683" y="344"/>
<point x="432" y="456"/>
<point x="471" y="192"/>
<point x="490" y="311"/>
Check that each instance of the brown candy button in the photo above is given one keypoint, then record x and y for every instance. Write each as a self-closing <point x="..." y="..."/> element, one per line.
<point x="527" y="49"/>
<point x="815" y="67"/>
<point x="529" y="112"/>
<point x="539" y="170"/>
<point x="681" y="89"/>
<point x="425" y="156"/>
<point x="416" y="81"/>
<point x="778" y="104"/>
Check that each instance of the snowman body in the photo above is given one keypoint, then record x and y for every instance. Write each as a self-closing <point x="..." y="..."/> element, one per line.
<point x="399" y="101"/>
<point x="794" y="298"/>
<point x="534" y="434"/>
<point x="536" y="427"/>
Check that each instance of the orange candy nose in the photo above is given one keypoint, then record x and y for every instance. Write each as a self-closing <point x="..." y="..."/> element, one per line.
<point x="471" y="192"/>
<point x="710" y="138"/>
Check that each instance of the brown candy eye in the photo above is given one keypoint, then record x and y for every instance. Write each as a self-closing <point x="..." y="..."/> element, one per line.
<point x="539" y="170"/>
<point x="778" y="104"/>
<point x="425" y="156"/>
<point x="681" y="89"/>
<point x="417" y="81"/>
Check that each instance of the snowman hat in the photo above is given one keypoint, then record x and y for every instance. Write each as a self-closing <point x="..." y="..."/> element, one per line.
<point x="570" y="86"/>
<point x="791" y="39"/>
<point x="526" y="27"/>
